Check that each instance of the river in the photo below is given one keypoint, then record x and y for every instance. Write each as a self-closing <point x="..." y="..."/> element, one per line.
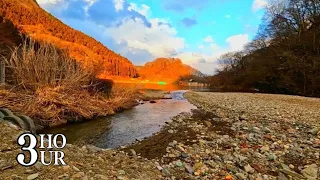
<point x="126" y="127"/>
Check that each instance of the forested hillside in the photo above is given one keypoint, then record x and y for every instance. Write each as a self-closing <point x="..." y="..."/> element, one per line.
<point x="169" y="69"/>
<point x="284" y="57"/>
<point x="30" y="19"/>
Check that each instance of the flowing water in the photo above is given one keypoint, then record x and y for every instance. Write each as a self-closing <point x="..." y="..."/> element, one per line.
<point x="128" y="126"/>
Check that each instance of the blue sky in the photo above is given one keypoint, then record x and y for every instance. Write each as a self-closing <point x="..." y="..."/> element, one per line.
<point x="196" y="31"/>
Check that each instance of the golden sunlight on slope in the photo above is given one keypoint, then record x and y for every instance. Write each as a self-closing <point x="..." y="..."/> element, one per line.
<point x="165" y="69"/>
<point x="31" y="20"/>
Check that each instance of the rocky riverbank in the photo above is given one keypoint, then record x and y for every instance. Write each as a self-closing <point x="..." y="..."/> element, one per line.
<point x="230" y="136"/>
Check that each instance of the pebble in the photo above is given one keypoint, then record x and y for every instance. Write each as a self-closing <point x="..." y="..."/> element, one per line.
<point x="256" y="129"/>
<point x="4" y="164"/>
<point x="93" y="149"/>
<point x="242" y="117"/>
<point x="179" y="164"/>
<point x="282" y="177"/>
<point x="38" y="165"/>
<point x="166" y="172"/>
<point x="159" y="168"/>
<point x="170" y="131"/>
<point x="75" y="168"/>
<point x="181" y="149"/>
<point x="264" y="148"/>
<point x="99" y="176"/>
<point x="63" y="176"/>
<point x="292" y="173"/>
<point x="197" y="173"/>
<point x="241" y="176"/>
<point x="173" y="143"/>
<point x="272" y="157"/>
<point x="132" y="152"/>
<point x="121" y="172"/>
<point x="266" y="130"/>
<point x="189" y="169"/>
<point x="77" y="175"/>
<point x="184" y="155"/>
<point x="258" y="167"/>
<point x="208" y="123"/>
<point x="314" y="131"/>
<point x="16" y="177"/>
<point x="248" y="169"/>
<point x="244" y="150"/>
<point x="33" y="176"/>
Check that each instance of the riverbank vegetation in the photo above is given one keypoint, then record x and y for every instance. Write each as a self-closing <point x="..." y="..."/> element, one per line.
<point x="283" y="57"/>
<point x="45" y="84"/>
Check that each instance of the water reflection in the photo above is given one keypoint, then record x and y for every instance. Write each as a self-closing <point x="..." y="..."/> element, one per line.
<point x="124" y="128"/>
<point x="168" y="87"/>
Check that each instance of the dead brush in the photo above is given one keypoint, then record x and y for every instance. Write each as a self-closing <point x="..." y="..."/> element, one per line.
<point x="35" y="66"/>
<point x="52" y="89"/>
<point x="124" y="95"/>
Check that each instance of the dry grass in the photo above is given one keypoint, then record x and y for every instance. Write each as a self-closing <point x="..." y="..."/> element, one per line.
<point x="55" y="106"/>
<point x="35" y="66"/>
<point x="152" y="94"/>
<point x="52" y="89"/>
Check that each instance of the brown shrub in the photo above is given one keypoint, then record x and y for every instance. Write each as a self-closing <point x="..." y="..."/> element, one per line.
<point x="52" y="89"/>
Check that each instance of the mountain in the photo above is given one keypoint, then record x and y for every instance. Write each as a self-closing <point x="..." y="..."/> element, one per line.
<point x="166" y="69"/>
<point x="28" y="18"/>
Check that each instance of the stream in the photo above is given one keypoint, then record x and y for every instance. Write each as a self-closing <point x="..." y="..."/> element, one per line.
<point x="128" y="126"/>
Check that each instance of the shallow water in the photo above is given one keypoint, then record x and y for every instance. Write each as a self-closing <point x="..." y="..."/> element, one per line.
<point x="124" y="128"/>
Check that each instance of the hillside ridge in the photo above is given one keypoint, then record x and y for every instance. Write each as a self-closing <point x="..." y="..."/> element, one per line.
<point x="30" y="19"/>
<point x="166" y="69"/>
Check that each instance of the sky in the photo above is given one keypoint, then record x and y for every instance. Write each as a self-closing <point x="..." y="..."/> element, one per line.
<point x="196" y="31"/>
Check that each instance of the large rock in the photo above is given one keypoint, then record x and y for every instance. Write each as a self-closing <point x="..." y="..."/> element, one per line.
<point x="311" y="172"/>
<point x="29" y="122"/>
<point x="6" y="112"/>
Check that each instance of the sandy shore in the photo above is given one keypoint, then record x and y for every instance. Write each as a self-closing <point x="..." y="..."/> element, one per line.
<point x="231" y="135"/>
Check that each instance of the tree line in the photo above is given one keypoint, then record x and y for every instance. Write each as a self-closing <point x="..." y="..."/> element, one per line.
<point x="284" y="56"/>
<point x="30" y="19"/>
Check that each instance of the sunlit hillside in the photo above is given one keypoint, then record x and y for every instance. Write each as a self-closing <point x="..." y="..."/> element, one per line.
<point x="30" y="19"/>
<point x="163" y="69"/>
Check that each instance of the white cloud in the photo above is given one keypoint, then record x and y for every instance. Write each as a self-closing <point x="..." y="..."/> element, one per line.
<point x="53" y="4"/>
<point x="259" y="4"/>
<point x="89" y="4"/>
<point x="118" y="5"/>
<point x="228" y="16"/>
<point x="143" y="10"/>
<point x="237" y="42"/>
<point x="201" y="46"/>
<point x="160" y="39"/>
<point x="43" y="2"/>
<point x="208" y="39"/>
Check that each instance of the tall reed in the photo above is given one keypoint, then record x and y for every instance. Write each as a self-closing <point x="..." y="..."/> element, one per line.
<point x="42" y="65"/>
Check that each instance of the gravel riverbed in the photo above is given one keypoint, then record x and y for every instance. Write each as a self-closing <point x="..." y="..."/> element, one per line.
<point x="230" y="136"/>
